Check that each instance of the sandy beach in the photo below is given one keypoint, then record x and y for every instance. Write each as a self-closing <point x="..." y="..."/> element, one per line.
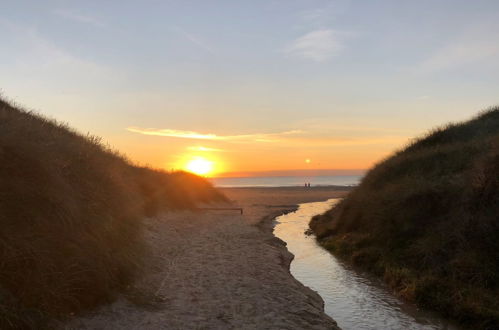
<point x="219" y="270"/>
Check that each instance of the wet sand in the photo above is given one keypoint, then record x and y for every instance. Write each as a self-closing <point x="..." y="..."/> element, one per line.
<point x="219" y="270"/>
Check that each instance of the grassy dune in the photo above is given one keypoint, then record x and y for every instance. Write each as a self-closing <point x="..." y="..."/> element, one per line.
<point x="426" y="219"/>
<point x="70" y="211"/>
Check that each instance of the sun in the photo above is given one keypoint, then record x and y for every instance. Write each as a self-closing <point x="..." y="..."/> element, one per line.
<point x="200" y="166"/>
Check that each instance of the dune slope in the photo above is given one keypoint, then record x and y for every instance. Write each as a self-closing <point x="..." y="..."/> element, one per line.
<point x="426" y="219"/>
<point x="70" y="211"/>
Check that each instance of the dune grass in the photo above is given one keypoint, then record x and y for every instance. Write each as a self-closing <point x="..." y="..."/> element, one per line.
<point x="70" y="217"/>
<point x="426" y="219"/>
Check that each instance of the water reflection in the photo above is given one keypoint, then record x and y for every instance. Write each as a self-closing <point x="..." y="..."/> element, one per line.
<point x="354" y="300"/>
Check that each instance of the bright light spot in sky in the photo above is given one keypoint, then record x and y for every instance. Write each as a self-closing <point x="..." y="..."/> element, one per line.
<point x="200" y="166"/>
<point x="307" y="161"/>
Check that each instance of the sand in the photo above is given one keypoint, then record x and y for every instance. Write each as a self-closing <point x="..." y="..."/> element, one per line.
<point x="219" y="270"/>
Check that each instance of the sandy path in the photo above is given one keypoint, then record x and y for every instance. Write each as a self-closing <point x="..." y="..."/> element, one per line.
<point x="217" y="270"/>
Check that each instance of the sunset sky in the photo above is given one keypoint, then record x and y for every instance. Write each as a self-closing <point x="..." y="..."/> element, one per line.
<point x="252" y="85"/>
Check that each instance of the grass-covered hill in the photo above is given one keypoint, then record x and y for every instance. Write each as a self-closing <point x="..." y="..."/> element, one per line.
<point x="70" y="217"/>
<point x="426" y="219"/>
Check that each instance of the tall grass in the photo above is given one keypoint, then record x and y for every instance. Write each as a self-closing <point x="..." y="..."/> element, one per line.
<point x="70" y="211"/>
<point x="426" y="219"/>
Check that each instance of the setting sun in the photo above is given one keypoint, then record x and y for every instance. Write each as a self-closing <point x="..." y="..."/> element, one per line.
<point x="200" y="166"/>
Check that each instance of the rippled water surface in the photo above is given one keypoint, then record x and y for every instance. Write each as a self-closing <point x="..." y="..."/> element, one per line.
<point x="354" y="300"/>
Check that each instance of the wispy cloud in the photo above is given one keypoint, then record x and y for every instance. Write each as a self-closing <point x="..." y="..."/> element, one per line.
<point x="288" y="138"/>
<point x="201" y="148"/>
<point x="478" y="44"/>
<point x="318" y="45"/>
<point x="173" y="133"/>
<point x="460" y="54"/>
<point x="258" y="137"/>
<point x="40" y="58"/>
<point x="78" y="17"/>
<point x="331" y="141"/>
<point x="195" y="40"/>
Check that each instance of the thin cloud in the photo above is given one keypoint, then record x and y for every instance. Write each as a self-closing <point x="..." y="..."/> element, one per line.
<point x="259" y="137"/>
<point x="77" y="17"/>
<point x="40" y="57"/>
<point x="318" y="45"/>
<point x="294" y="138"/>
<point x="477" y="45"/>
<point x="460" y="54"/>
<point x="173" y="133"/>
<point x="201" y="148"/>
<point x="195" y="40"/>
<point x="345" y="141"/>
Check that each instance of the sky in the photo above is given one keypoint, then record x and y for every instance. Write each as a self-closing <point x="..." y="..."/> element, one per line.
<point x="252" y="85"/>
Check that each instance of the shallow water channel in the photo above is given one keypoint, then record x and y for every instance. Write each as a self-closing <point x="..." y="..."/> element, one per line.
<point x="355" y="300"/>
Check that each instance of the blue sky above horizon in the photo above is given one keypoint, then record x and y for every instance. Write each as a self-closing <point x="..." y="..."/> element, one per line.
<point x="342" y="83"/>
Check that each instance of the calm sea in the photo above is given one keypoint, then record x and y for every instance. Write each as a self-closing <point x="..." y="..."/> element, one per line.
<point x="288" y="181"/>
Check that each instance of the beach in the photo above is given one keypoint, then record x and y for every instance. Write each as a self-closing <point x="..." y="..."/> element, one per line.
<point x="219" y="270"/>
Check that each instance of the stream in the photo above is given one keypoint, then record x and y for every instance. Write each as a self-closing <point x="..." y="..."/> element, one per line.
<point x="355" y="300"/>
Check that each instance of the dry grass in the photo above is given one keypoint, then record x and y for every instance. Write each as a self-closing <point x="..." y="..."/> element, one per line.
<point x="70" y="211"/>
<point x="426" y="220"/>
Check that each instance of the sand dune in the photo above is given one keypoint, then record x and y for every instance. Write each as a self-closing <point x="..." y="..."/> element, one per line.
<point x="218" y="270"/>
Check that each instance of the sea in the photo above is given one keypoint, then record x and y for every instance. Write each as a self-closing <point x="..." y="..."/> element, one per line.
<point x="288" y="181"/>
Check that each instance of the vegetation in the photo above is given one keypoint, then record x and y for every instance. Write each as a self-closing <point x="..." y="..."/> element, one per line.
<point x="70" y="211"/>
<point x="427" y="220"/>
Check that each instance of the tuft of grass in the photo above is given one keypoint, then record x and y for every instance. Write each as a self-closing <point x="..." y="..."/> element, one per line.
<point x="426" y="219"/>
<point x="70" y="217"/>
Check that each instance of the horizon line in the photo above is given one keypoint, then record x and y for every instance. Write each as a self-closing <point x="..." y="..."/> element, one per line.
<point x="294" y="172"/>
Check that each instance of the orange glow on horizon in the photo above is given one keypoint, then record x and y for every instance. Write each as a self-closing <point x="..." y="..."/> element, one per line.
<point x="226" y="158"/>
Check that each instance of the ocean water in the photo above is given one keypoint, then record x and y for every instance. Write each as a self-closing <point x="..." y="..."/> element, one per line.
<point x="288" y="181"/>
